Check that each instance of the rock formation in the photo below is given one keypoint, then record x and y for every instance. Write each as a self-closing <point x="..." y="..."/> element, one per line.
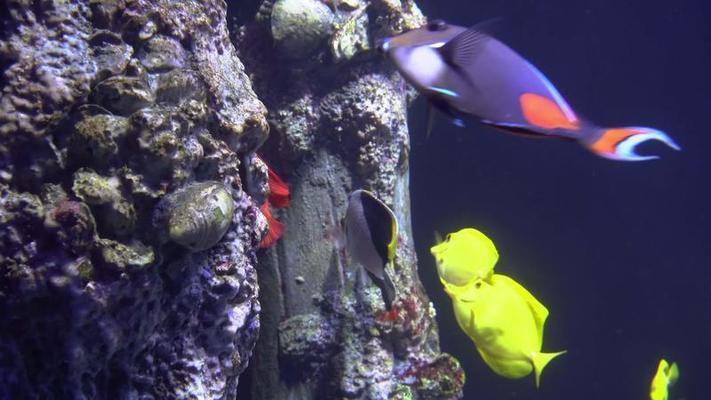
<point x="127" y="243"/>
<point x="338" y="115"/>
<point x="130" y="194"/>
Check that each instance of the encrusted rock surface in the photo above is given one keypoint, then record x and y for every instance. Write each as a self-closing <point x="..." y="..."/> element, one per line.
<point x="338" y="121"/>
<point x="119" y="120"/>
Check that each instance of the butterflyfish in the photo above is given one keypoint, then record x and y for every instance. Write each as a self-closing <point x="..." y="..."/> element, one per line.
<point x="505" y="322"/>
<point x="665" y="377"/>
<point x="464" y="256"/>
<point x="465" y="72"/>
<point x="371" y="239"/>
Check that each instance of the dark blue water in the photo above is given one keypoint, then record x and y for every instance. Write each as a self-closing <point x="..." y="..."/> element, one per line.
<point x="620" y="253"/>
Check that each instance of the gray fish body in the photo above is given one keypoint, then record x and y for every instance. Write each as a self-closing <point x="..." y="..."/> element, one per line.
<point x="487" y="88"/>
<point x="500" y="76"/>
<point x="371" y="230"/>
<point x="359" y="241"/>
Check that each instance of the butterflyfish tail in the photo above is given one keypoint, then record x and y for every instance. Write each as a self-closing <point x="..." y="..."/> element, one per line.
<point x="389" y="291"/>
<point x="621" y="143"/>
<point x="540" y="360"/>
<point x="387" y="288"/>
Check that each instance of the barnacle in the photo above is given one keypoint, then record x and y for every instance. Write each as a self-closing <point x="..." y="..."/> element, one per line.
<point x="350" y="36"/>
<point x="197" y="216"/>
<point x="299" y="27"/>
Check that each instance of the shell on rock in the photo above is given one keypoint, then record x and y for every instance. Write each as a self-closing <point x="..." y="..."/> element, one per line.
<point x="162" y="53"/>
<point x="114" y="213"/>
<point x="198" y="215"/>
<point x="299" y="27"/>
<point x="95" y="140"/>
<point x="123" y="95"/>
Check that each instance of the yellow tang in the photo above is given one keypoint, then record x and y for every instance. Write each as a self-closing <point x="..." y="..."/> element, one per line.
<point x="666" y="376"/>
<point x="506" y="323"/>
<point x="465" y="256"/>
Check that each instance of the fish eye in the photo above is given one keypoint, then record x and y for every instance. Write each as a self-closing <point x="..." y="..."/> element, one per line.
<point x="477" y="284"/>
<point x="436" y="25"/>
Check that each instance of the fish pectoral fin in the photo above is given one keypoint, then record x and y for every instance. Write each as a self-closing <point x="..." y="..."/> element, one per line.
<point x="461" y="50"/>
<point x="455" y="116"/>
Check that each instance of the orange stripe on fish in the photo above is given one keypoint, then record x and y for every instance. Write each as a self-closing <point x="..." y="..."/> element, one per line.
<point x="276" y="228"/>
<point x="607" y="143"/>
<point x="544" y="113"/>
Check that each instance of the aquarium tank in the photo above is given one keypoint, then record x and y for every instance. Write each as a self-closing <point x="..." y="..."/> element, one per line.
<point x="354" y="199"/>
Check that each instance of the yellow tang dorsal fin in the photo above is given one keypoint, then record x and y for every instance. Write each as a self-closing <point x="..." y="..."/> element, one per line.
<point x="539" y="311"/>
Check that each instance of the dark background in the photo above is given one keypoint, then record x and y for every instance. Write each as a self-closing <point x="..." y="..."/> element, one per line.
<point x="618" y="252"/>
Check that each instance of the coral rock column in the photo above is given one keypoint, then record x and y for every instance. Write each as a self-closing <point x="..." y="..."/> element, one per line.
<point x="337" y="112"/>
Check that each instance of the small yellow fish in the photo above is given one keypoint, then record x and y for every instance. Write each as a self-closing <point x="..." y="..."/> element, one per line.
<point x="463" y="257"/>
<point x="666" y="376"/>
<point x="506" y="323"/>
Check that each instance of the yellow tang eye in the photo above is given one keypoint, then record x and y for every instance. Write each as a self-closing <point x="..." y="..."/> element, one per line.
<point x="477" y="284"/>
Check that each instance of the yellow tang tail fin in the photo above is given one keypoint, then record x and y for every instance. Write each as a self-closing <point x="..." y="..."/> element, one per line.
<point x="673" y="374"/>
<point x="540" y="360"/>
